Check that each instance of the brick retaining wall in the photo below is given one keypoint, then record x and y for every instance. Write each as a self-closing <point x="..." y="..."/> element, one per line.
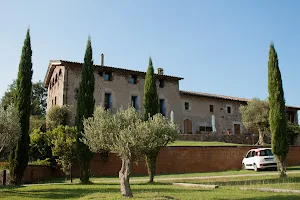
<point x="170" y="160"/>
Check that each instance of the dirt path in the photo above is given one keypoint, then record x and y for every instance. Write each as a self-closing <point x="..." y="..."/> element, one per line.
<point x="202" y="177"/>
<point x="179" y="178"/>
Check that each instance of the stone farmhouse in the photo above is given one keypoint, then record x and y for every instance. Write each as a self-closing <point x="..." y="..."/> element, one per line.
<point x="194" y="112"/>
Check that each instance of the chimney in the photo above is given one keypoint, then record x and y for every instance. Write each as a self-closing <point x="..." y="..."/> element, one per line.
<point x="160" y="71"/>
<point x="102" y="59"/>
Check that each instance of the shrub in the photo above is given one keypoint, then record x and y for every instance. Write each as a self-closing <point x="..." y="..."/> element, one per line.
<point x="58" y="115"/>
<point x="63" y="139"/>
<point x="40" y="146"/>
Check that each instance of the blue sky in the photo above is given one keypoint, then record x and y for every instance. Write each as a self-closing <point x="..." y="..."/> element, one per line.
<point x="218" y="47"/>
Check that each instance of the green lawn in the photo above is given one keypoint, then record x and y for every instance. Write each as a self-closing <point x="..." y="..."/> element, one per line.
<point x="229" y="188"/>
<point x="248" y="181"/>
<point x="195" y="143"/>
<point x="140" y="191"/>
<point x="187" y="175"/>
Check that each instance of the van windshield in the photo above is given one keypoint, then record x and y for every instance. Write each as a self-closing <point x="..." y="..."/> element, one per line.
<point x="266" y="152"/>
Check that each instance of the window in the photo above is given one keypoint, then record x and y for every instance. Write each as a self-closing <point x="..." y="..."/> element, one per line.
<point x="211" y="108"/>
<point x="162" y="107"/>
<point x="52" y="102"/>
<point x="55" y="101"/>
<point x="201" y="128"/>
<point x="249" y="154"/>
<point x="133" y="79"/>
<point x="100" y="73"/>
<point x="76" y="93"/>
<point x="108" y="76"/>
<point x="186" y="105"/>
<point x="290" y="116"/>
<point x="55" y="78"/>
<point x="205" y="128"/>
<point x="107" y="101"/>
<point x="266" y="152"/>
<point x="208" y="129"/>
<point x="59" y="72"/>
<point x="161" y="83"/>
<point x="134" y="102"/>
<point x="228" y="109"/>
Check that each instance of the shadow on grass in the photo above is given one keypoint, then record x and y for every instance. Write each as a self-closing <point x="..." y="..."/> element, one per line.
<point x="293" y="168"/>
<point x="57" y="193"/>
<point x="70" y="191"/>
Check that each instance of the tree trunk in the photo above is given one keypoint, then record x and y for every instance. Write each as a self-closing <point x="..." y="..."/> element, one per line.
<point x="151" y="163"/>
<point x="281" y="166"/>
<point x="71" y="175"/>
<point x="124" y="176"/>
<point x="261" y="135"/>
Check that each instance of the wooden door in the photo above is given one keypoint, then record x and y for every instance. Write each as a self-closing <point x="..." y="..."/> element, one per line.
<point x="237" y="129"/>
<point x="187" y="126"/>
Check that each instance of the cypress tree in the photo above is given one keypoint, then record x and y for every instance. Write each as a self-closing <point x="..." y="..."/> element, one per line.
<point x="85" y="109"/>
<point x="277" y="116"/>
<point x="18" y="158"/>
<point x="151" y="107"/>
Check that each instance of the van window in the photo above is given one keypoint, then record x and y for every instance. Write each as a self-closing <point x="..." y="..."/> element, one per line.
<point x="266" y="152"/>
<point x="249" y="154"/>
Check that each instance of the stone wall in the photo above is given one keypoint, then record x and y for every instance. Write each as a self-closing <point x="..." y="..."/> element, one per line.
<point x="55" y="88"/>
<point x="121" y="90"/>
<point x="201" y="115"/>
<point x="215" y="137"/>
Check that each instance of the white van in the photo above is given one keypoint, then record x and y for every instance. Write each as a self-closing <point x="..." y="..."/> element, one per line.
<point x="260" y="158"/>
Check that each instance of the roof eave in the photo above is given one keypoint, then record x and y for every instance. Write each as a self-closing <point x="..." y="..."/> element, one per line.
<point x="51" y="66"/>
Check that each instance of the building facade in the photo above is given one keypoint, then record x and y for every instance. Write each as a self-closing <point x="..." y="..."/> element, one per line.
<point x="194" y="112"/>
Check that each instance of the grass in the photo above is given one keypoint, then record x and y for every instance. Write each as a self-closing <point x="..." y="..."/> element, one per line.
<point x="162" y="176"/>
<point x="196" y="143"/>
<point x="248" y="181"/>
<point x="140" y="191"/>
<point x="162" y="190"/>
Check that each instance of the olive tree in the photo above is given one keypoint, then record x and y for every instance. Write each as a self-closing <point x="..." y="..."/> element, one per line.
<point x="255" y="116"/>
<point x="124" y="134"/>
<point x="162" y="131"/>
<point x="10" y="130"/>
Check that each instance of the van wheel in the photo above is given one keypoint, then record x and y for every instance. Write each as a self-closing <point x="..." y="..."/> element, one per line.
<point x="255" y="167"/>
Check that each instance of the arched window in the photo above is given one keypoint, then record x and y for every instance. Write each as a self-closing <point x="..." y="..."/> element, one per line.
<point x="59" y="72"/>
<point x="55" y="78"/>
<point x="55" y="101"/>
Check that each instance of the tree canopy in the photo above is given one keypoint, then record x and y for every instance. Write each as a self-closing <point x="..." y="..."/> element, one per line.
<point x="38" y="98"/>
<point x="277" y="118"/>
<point x="126" y="135"/>
<point x="85" y="109"/>
<point x="10" y="130"/>
<point x="18" y="159"/>
<point x="255" y="116"/>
